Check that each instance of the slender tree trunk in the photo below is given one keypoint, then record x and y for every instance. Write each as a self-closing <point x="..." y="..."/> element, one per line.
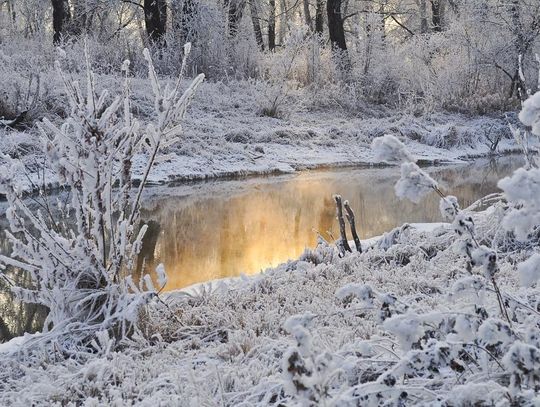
<point x="235" y="13"/>
<point x="319" y="17"/>
<point x="272" y="25"/>
<point x="382" y="24"/>
<point x="423" y="17"/>
<point x="350" y="217"/>
<point x="155" y="19"/>
<point x="335" y="24"/>
<point x="342" y="231"/>
<point x="368" y="43"/>
<point x="283" y="20"/>
<point x="256" y="24"/>
<point x="61" y="17"/>
<point x="307" y="15"/>
<point x="436" y="17"/>
<point x="5" y="333"/>
<point x="11" y="11"/>
<point x="520" y="48"/>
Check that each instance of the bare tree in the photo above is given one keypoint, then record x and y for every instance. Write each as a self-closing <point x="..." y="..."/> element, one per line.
<point x="436" y="15"/>
<point x="283" y="20"/>
<point x="61" y="16"/>
<point x="307" y="15"/>
<point x="335" y="24"/>
<point x="319" y="17"/>
<point x="523" y="39"/>
<point x="235" y="11"/>
<point x="155" y="19"/>
<point x="256" y="24"/>
<point x="272" y="25"/>
<point x="423" y="16"/>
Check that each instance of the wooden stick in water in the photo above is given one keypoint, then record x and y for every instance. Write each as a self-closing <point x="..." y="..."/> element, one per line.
<point x="341" y="221"/>
<point x="350" y="218"/>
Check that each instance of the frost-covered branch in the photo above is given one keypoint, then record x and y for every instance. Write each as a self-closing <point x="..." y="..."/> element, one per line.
<point x="83" y="272"/>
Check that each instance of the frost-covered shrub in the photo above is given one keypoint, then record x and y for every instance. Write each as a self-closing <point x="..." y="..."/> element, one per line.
<point x="522" y="191"/>
<point x="80" y="254"/>
<point x="389" y="149"/>
<point x="281" y="74"/>
<point x="481" y="332"/>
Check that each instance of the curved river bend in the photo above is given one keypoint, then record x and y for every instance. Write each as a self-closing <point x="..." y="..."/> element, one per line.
<point x="218" y="229"/>
<point x="209" y="230"/>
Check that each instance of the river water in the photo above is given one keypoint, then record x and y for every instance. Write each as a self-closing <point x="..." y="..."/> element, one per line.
<point x="225" y="228"/>
<point x="209" y="230"/>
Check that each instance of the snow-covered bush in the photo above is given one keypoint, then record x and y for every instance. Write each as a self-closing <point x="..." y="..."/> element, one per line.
<point x="522" y="191"/>
<point x="484" y="337"/>
<point x="79" y="252"/>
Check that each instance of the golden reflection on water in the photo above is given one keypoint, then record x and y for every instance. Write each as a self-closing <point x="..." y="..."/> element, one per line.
<point x="227" y="232"/>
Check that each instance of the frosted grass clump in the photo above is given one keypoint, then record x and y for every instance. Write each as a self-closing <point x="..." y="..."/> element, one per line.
<point x="81" y="258"/>
<point x="407" y="328"/>
<point x="522" y="190"/>
<point x="363" y="292"/>
<point x="389" y="149"/>
<point x="414" y="183"/>
<point x="530" y="113"/>
<point x="449" y="207"/>
<point x="529" y="270"/>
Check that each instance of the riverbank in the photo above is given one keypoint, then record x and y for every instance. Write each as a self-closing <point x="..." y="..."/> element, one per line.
<point x="225" y="135"/>
<point x="230" y="344"/>
<point x="254" y="145"/>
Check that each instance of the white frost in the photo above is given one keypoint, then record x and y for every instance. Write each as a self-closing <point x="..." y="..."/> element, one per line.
<point x="389" y="149"/>
<point x="414" y="183"/>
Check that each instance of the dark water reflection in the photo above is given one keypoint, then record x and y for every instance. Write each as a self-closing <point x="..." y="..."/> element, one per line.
<point x="246" y="226"/>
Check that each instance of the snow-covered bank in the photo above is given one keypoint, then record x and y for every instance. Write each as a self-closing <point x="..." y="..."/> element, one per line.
<point x="227" y="345"/>
<point x="229" y="283"/>
<point x="225" y="135"/>
<point x="247" y="143"/>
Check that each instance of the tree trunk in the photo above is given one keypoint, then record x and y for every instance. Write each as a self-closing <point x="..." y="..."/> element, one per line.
<point x="235" y="13"/>
<point x="5" y="333"/>
<point x="11" y="11"/>
<point x="256" y="24"/>
<point x="520" y="48"/>
<point x="368" y="43"/>
<point x="61" y="16"/>
<point x="155" y="19"/>
<point x="382" y="24"/>
<point x="344" y="244"/>
<point x="307" y="15"/>
<point x="272" y="25"/>
<point x="423" y="17"/>
<point x="283" y="21"/>
<point x="319" y="17"/>
<point x="335" y="25"/>
<point x="352" y="223"/>
<point x="436" y="16"/>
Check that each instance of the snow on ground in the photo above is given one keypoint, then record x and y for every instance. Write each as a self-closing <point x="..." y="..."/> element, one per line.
<point x="226" y="135"/>
<point x="235" y="344"/>
<point x="246" y="143"/>
<point x="226" y="345"/>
